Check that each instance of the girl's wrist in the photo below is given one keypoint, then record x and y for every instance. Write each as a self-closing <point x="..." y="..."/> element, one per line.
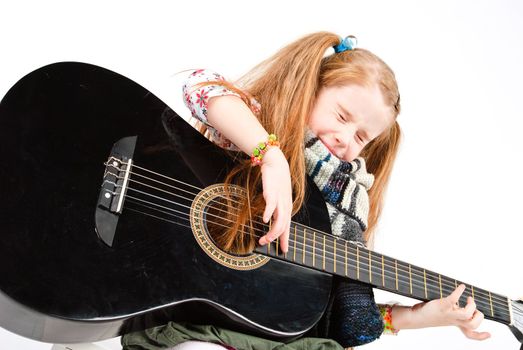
<point x="262" y="148"/>
<point x="273" y="156"/>
<point x="403" y="317"/>
<point x="410" y="317"/>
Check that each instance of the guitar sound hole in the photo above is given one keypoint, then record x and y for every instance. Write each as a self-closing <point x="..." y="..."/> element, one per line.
<point x="221" y="216"/>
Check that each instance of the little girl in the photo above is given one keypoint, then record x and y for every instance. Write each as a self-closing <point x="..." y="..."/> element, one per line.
<point x="332" y="117"/>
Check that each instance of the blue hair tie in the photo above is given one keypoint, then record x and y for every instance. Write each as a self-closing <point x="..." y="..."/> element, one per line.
<point x="349" y="43"/>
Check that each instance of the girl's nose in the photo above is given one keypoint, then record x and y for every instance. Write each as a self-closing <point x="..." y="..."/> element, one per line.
<point x="344" y="136"/>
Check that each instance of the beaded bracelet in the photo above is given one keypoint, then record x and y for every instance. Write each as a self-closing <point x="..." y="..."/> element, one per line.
<point x="386" y="313"/>
<point x="259" y="151"/>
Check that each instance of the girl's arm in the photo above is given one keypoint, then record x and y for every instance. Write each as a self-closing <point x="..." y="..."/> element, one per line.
<point x="441" y="312"/>
<point x="230" y="120"/>
<point x="233" y="119"/>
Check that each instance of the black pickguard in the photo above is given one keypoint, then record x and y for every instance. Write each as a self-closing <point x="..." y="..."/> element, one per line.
<point x="60" y="283"/>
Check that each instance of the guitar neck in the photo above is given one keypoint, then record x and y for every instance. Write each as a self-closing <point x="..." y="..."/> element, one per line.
<point x="320" y="251"/>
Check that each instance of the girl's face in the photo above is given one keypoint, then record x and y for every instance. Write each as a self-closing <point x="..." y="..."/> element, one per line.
<point x="346" y="118"/>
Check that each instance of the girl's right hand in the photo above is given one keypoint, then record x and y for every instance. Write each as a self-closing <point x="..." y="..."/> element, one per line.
<point x="277" y="192"/>
<point x="446" y="311"/>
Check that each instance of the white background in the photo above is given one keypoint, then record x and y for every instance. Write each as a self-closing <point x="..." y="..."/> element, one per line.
<point x="454" y="202"/>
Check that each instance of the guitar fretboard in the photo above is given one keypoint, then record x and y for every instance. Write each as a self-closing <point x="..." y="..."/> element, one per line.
<point x="339" y="257"/>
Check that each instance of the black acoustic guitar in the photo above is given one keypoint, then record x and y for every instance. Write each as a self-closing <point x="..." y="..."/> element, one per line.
<point x="107" y="197"/>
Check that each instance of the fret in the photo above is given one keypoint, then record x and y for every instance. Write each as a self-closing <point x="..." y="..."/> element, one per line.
<point x="342" y="257"/>
<point x="288" y="244"/>
<point x="433" y="289"/>
<point x="329" y="250"/>
<point x="338" y="260"/>
<point x="364" y="265"/>
<point x="351" y="262"/>
<point x="410" y="278"/>
<point x="346" y="258"/>
<point x="396" y="265"/>
<point x="383" y="270"/>
<point x="446" y="285"/>
<point x="294" y="256"/>
<point x="370" y="267"/>
<point x="491" y="306"/>
<point x="425" y="283"/>
<point x="405" y="282"/>
<point x="375" y="270"/>
<point x="320" y="247"/>
<point x="304" y="247"/>
<point x="401" y="277"/>
<point x="357" y="263"/>
<point x="334" y="245"/>
<point x="440" y="287"/>
<point x="510" y="315"/>
<point x="418" y="285"/>
<point x="313" y="249"/>
<point x="269" y="244"/>
<point x="389" y="277"/>
<point x="277" y="245"/>
<point x="324" y="237"/>
<point x="483" y="300"/>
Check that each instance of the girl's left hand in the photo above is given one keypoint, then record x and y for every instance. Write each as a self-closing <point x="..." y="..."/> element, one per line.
<point x="446" y="311"/>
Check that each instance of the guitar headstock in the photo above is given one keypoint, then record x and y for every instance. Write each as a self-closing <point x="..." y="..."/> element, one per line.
<point x="517" y="319"/>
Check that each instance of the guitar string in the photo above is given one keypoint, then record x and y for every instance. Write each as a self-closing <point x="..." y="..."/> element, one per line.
<point x="189" y="185"/>
<point x="194" y="194"/>
<point x="308" y="246"/>
<point x="478" y="290"/>
<point x="411" y="272"/>
<point x="485" y="304"/>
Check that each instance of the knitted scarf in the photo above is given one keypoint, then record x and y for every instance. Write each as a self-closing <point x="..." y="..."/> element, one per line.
<point x="344" y="186"/>
<point x="352" y="317"/>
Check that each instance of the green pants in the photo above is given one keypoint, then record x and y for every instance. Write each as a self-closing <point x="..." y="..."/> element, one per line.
<point x="173" y="333"/>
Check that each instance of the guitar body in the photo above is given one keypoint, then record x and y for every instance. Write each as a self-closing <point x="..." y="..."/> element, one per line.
<point x="59" y="282"/>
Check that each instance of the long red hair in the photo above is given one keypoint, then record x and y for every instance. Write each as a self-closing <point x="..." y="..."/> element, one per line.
<point x="286" y="85"/>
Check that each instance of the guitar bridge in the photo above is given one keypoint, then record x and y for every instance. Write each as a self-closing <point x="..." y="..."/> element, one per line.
<point x="114" y="185"/>
<point x="113" y="189"/>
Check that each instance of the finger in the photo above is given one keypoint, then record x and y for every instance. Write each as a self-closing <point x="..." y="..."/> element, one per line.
<point x="475" y="335"/>
<point x="469" y="309"/>
<point x="477" y="318"/>
<point x="456" y="294"/>
<point x="269" y="212"/>
<point x="284" y="241"/>
<point x="276" y="229"/>
<point x="270" y="207"/>
<point x="286" y="229"/>
<point x="475" y="321"/>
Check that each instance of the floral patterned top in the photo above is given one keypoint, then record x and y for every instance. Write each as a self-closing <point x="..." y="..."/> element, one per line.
<point x="196" y="99"/>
